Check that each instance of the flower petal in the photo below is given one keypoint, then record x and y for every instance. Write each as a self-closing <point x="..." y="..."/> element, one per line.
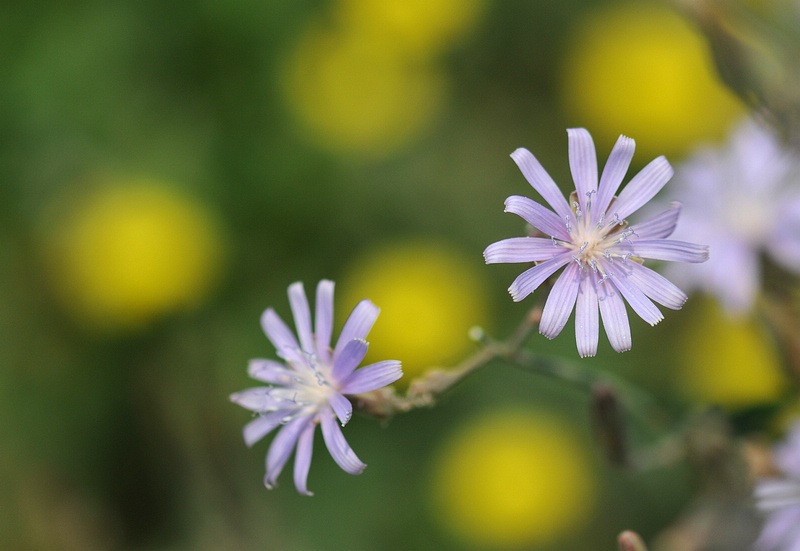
<point x="323" y="319"/>
<point x="538" y="216"/>
<point x="561" y="301"/>
<point x="521" y="249"/>
<point x="642" y="305"/>
<point x="660" y="226"/>
<point x="270" y="371"/>
<point x="280" y="336"/>
<point x="587" y="324"/>
<point x="731" y="256"/>
<point x="656" y="286"/>
<point x="302" y="459"/>
<point x="282" y="447"/>
<point x="338" y="447"/>
<point x="773" y="494"/>
<point x="302" y="316"/>
<point x="530" y="279"/>
<point x="349" y="359"/>
<point x="642" y="187"/>
<point x="781" y="242"/>
<point x="615" y="318"/>
<point x="260" y="399"/>
<point x="582" y="164"/>
<point x="667" y="249"/>
<point x="372" y="377"/>
<point x="541" y="181"/>
<point x="779" y="529"/>
<point x="341" y="406"/>
<point x="613" y="173"/>
<point x="357" y="325"/>
<point x="261" y="426"/>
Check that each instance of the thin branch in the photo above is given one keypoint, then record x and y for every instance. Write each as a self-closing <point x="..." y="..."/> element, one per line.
<point x="424" y="391"/>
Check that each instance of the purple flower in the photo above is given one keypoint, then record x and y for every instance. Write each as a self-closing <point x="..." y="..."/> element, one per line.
<point x="589" y="236"/>
<point x="779" y="498"/>
<point x="742" y="200"/>
<point x="308" y="387"/>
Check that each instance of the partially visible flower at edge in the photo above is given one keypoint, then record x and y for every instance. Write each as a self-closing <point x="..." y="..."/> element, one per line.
<point x="309" y="386"/>
<point x="778" y="498"/>
<point x="742" y="200"/>
<point x="589" y="235"/>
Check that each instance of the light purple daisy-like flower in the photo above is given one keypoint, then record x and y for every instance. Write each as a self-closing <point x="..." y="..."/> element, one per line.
<point x="779" y="498"/>
<point x="743" y="200"/>
<point x="309" y="386"/>
<point x="589" y="236"/>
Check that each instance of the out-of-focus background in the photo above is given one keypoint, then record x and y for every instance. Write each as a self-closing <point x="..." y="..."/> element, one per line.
<point x="168" y="169"/>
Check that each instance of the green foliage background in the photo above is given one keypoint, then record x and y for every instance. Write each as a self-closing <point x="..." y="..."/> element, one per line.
<point x="128" y="441"/>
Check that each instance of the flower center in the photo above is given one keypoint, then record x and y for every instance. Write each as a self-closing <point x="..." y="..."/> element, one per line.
<point x="592" y="240"/>
<point x="313" y="381"/>
<point x="308" y="389"/>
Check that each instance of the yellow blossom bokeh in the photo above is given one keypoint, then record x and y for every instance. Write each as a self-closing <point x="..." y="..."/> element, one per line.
<point x="641" y="70"/>
<point x="728" y="361"/>
<point x="420" y="27"/>
<point x="355" y="94"/>
<point x="368" y="79"/>
<point x="429" y="296"/>
<point x="131" y="251"/>
<point x="516" y="478"/>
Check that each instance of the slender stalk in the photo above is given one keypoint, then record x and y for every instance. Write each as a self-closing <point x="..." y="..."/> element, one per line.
<point x="425" y="390"/>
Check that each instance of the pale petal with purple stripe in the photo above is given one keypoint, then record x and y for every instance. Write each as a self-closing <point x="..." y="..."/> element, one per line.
<point x="372" y="377"/>
<point x="340" y="450"/>
<point x="613" y="173"/>
<point x="521" y="249"/>
<point x="582" y="164"/>
<point x="544" y="220"/>
<point x="560" y="302"/>
<point x="541" y="182"/>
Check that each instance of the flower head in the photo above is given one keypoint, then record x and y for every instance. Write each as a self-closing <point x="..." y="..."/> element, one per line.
<point x="742" y="200"/>
<point x="309" y="386"/>
<point x="589" y="236"/>
<point x="779" y="498"/>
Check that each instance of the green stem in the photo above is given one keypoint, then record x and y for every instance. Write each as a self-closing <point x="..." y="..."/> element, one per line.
<point x="425" y="390"/>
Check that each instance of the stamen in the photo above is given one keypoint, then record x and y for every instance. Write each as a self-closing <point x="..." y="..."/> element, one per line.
<point x="601" y="221"/>
<point x="609" y="227"/>
<point x="605" y="277"/>
<point x="589" y="199"/>
<point x="626" y="234"/>
<point x="577" y="207"/>
<point x="583" y="247"/>
<point x="569" y="227"/>
<point x="593" y="264"/>
<point x="311" y="362"/>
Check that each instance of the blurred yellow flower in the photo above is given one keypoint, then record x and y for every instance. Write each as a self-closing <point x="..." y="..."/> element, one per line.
<point x="429" y="296"/>
<point x="357" y="94"/>
<point x="728" y="361"/>
<point x="420" y="27"/>
<point x="516" y="478"/>
<point x="127" y="253"/>
<point x="641" y="70"/>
